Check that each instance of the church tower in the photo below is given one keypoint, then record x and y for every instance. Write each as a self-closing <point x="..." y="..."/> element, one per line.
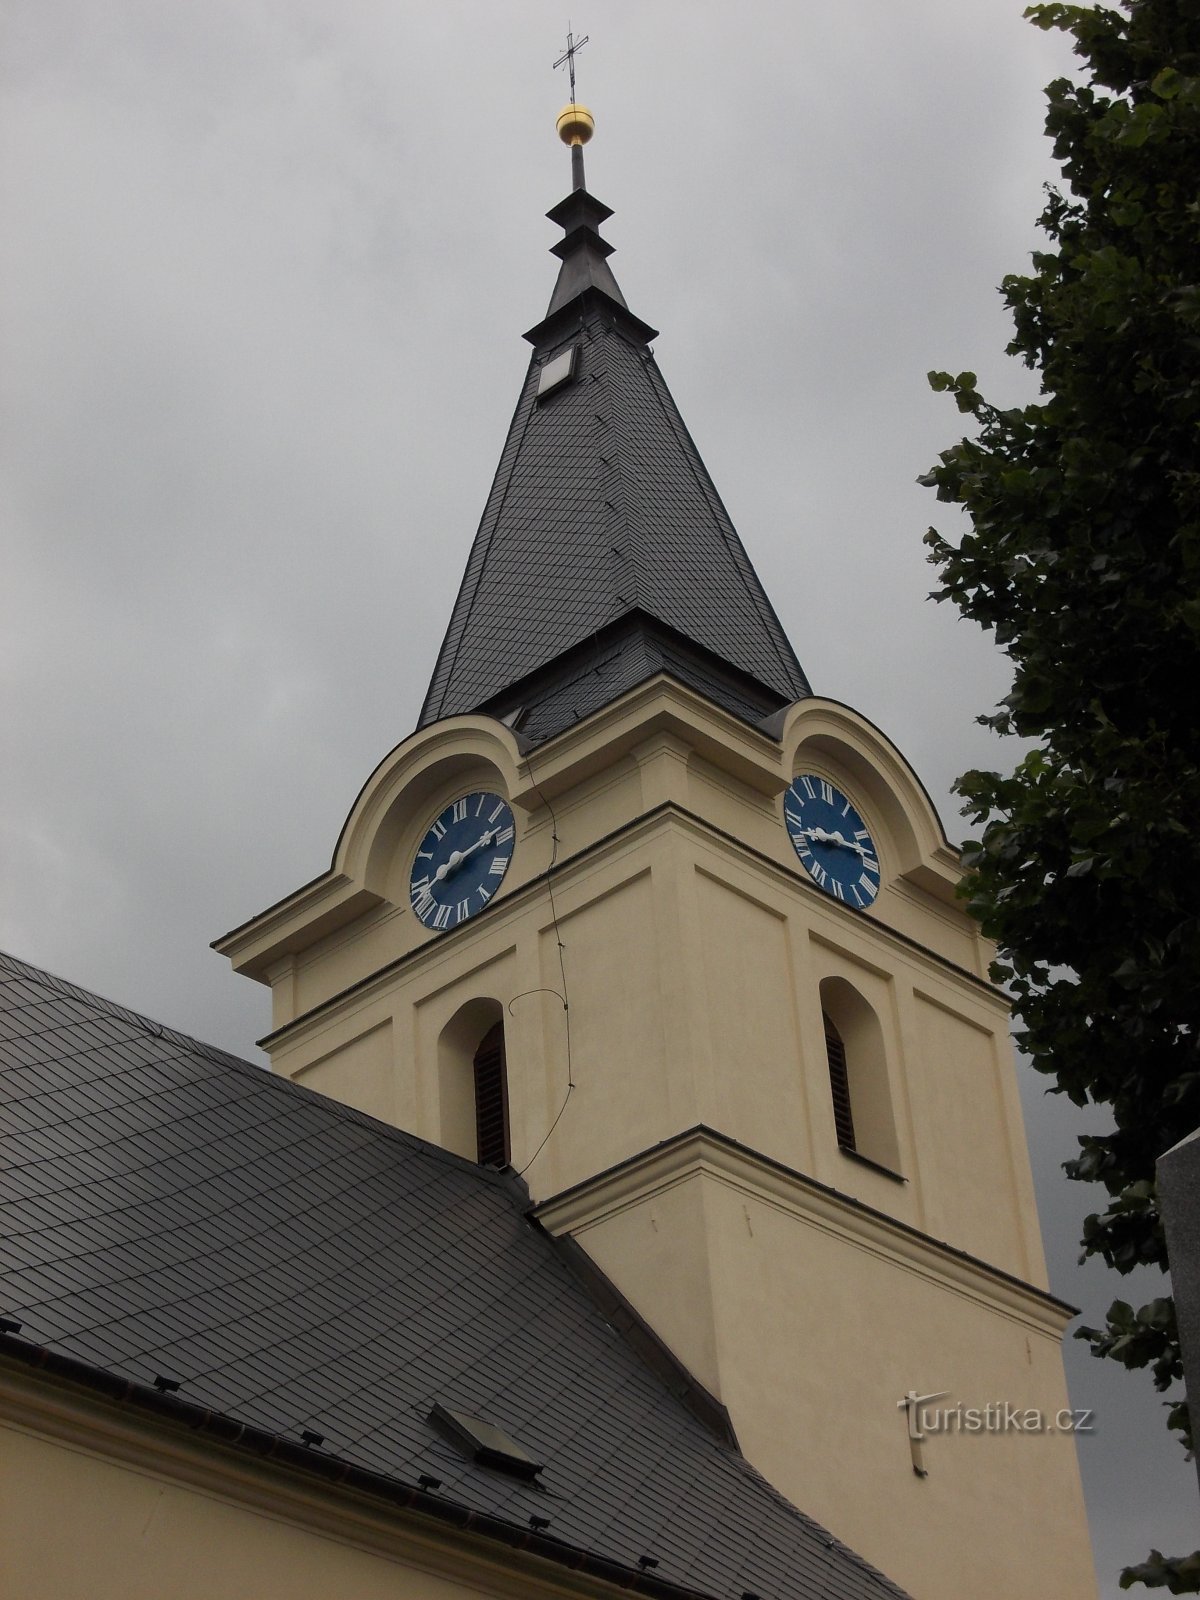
<point x="636" y="913"/>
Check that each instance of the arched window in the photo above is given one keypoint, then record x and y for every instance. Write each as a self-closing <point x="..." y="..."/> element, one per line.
<point x="491" y="1100"/>
<point x="472" y="1084"/>
<point x="839" y="1084"/>
<point x="859" y="1086"/>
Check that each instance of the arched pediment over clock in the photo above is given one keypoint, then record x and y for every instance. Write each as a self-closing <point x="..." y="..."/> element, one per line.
<point x="831" y="738"/>
<point x="429" y="766"/>
<point x="368" y="873"/>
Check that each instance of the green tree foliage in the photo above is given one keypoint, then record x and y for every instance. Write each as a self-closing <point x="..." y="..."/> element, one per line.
<point x="1083" y="555"/>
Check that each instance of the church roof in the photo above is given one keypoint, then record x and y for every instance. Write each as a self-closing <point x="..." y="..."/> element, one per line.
<point x="197" y="1237"/>
<point x="604" y="553"/>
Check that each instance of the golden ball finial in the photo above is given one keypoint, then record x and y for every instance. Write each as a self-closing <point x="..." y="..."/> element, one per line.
<point x="575" y="124"/>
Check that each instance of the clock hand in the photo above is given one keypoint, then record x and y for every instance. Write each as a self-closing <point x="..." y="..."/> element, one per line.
<point x="488" y="838"/>
<point x="447" y="867"/>
<point x="820" y="835"/>
<point x="456" y="857"/>
<point x="846" y="844"/>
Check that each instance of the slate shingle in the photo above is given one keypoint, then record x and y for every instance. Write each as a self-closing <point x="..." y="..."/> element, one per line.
<point x="601" y="512"/>
<point x="347" y="1283"/>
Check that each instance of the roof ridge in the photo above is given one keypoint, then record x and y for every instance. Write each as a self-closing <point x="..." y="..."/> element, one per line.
<point x="624" y="558"/>
<point x="447" y="657"/>
<point x="755" y="592"/>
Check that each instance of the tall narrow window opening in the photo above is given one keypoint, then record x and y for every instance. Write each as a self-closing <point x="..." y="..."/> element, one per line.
<point x="491" y="1100"/>
<point x="839" y="1084"/>
<point x="859" y="1081"/>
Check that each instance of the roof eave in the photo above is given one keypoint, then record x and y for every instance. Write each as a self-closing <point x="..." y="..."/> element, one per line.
<point x="303" y="1461"/>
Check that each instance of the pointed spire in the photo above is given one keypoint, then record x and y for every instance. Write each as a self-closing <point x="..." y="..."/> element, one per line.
<point x="604" y="555"/>
<point x="583" y="253"/>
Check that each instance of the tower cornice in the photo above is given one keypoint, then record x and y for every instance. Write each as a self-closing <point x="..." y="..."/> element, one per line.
<point x="703" y="1151"/>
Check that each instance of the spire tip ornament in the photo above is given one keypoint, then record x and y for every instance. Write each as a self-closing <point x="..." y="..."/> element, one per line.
<point x="575" y="124"/>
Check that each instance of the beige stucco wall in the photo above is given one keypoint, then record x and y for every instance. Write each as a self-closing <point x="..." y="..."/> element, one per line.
<point x="694" y="949"/>
<point x="811" y="1322"/>
<point x="132" y="1515"/>
<point x="694" y="971"/>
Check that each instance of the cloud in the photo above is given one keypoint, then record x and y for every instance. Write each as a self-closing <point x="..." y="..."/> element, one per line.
<point x="265" y="274"/>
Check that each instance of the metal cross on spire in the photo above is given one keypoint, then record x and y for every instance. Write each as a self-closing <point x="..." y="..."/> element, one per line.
<point x="573" y="46"/>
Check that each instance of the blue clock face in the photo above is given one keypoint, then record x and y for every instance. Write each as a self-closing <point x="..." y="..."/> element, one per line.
<point x="832" y="841"/>
<point x="461" y="861"/>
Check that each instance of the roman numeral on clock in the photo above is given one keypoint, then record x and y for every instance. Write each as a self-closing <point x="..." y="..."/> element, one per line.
<point x="471" y="839"/>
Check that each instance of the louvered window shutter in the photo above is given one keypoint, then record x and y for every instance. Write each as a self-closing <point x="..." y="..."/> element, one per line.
<point x="491" y="1100"/>
<point x="839" y="1084"/>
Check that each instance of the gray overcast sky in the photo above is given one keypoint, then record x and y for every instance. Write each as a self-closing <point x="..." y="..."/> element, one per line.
<point x="265" y="272"/>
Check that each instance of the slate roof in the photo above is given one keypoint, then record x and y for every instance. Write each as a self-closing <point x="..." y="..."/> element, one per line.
<point x="170" y="1211"/>
<point x="615" y="659"/>
<point x="601" y="510"/>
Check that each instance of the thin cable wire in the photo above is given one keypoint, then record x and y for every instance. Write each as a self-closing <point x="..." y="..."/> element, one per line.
<point x="562" y="967"/>
<point x="525" y="993"/>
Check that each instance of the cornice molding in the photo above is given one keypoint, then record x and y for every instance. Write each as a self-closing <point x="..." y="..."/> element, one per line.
<point x="703" y="1153"/>
<point x="319" y="907"/>
<point x="498" y="916"/>
<point x="659" y="704"/>
<point x="353" y="883"/>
